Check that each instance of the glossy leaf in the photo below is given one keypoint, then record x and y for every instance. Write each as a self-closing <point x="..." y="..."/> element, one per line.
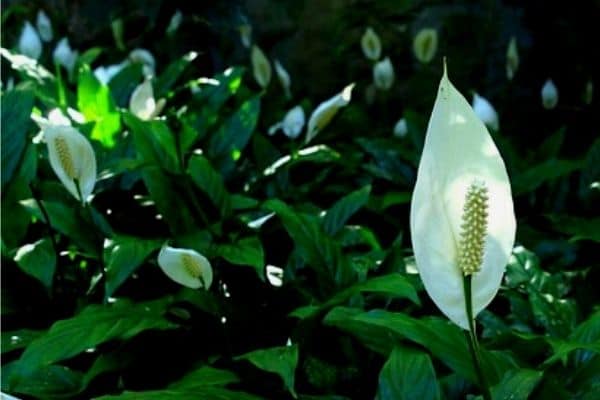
<point x="278" y="360"/>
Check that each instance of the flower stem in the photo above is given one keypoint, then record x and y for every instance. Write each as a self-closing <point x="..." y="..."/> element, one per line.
<point x="472" y="339"/>
<point x="38" y="200"/>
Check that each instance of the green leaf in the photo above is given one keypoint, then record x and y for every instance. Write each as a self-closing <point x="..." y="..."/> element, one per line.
<point x="16" y="119"/>
<point x="517" y="384"/>
<point x="39" y="261"/>
<point x="337" y="216"/>
<point x="578" y="228"/>
<point x="122" y="256"/>
<point x="585" y="336"/>
<point x="93" y="326"/>
<point x="47" y="382"/>
<point x="278" y="360"/>
<point x="210" y="182"/>
<point x="205" y="376"/>
<point x="226" y="144"/>
<point x="205" y="392"/>
<point x="392" y="285"/>
<point x="173" y="71"/>
<point x="549" y="170"/>
<point x="154" y="142"/>
<point x="96" y="104"/>
<point x="14" y="340"/>
<point x="124" y="83"/>
<point x="247" y="251"/>
<point x="407" y="375"/>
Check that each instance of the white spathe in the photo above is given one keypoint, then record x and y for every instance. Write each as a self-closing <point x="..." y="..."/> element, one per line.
<point x="105" y="73"/>
<point x="186" y="267"/>
<point x="30" y="44"/>
<point x="486" y="112"/>
<point x="72" y="158"/>
<point x="284" y="78"/>
<point x="64" y="55"/>
<point x="142" y="103"/>
<point x="292" y="124"/>
<point x="371" y="44"/>
<point x="261" y="67"/>
<point x="549" y="95"/>
<point x="145" y="58"/>
<point x="246" y="35"/>
<point x="459" y="151"/>
<point x="325" y="112"/>
<point x="175" y="22"/>
<point x="401" y="128"/>
<point x="425" y="45"/>
<point x="44" y="26"/>
<point x="383" y="74"/>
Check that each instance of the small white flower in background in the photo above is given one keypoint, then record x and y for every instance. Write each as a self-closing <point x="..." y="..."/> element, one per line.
<point x="145" y="58"/>
<point x="30" y="44"/>
<point x="370" y="44"/>
<point x="175" y="22"/>
<point x="325" y="112"/>
<point x="425" y="45"/>
<point x="186" y="267"/>
<point x="72" y="158"/>
<point x="549" y="95"/>
<point x="383" y="74"/>
<point x="292" y="123"/>
<point x="105" y="74"/>
<point x="142" y="103"/>
<point x="401" y="128"/>
<point x="275" y="275"/>
<point x="284" y="78"/>
<point x="512" y="58"/>
<point x="44" y="26"/>
<point x="260" y="67"/>
<point x="64" y="55"/>
<point x="588" y="93"/>
<point x="486" y="112"/>
<point x="246" y="35"/>
<point x="462" y="218"/>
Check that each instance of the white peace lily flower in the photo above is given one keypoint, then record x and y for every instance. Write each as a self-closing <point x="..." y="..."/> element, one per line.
<point x="145" y="58"/>
<point x="383" y="74"/>
<point x="284" y="78"/>
<point x="462" y="219"/>
<point x="325" y="112"/>
<point x="370" y="44"/>
<point x="425" y="45"/>
<point x="175" y="22"/>
<point x="55" y="117"/>
<point x="186" y="267"/>
<point x="486" y="112"/>
<point x="105" y="74"/>
<point x="30" y="44"/>
<point x="260" y="67"/>
<point x="72" y="158"/>
<point x="142" y="103"/>
<point x="64" y="55"/>
<point x="246" y="35"/>
<point x="401" y="128"/>
<point x="275" y="275"/>
<point x="292" y="123"/>
<point x="549" y="95"/>
<point x="512" y="58"/>
<point x="44" y="26"/>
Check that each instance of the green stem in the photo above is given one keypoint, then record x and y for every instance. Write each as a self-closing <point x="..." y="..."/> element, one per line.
<point x="60" y="88"/>
<point x="474" y="348"/>
<point x="38" y="200"/>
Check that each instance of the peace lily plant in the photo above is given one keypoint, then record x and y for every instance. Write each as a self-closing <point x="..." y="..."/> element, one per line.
<point x="462" y="219"/>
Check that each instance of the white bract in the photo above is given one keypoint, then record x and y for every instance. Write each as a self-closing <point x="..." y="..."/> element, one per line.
<point x="425" y="45"/>
<point x="325" y="112"/>
<point x="401" y="128"/>
<point x="284" y="78"/>
<point x="549" y="95"/>
<point x="383" y="74"/>
<point x="30" y="44"/>
<point x="72" y="158"/>
<point x="260" y="67"/>
<point x="486" y="112"/>
<point x="175" y="22"/>
<point x="292" y="123"/>
<point x="371" y="45"/>
<point x="512" y="58"/>
<point x="186" y="267"/>
<point x="64" y="55"/>
<point x="44" y="26"/>
<point x="462" y="219"/>
<point x="142" y="103"/>
<point x="145" y="58"/>
<point x="105" y="74"/>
